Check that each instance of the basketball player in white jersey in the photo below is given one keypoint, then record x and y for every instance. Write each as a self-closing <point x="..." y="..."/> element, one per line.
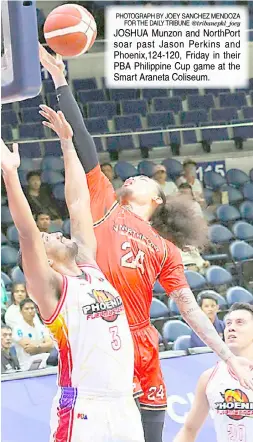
<point x="219" y="391"/>
<point x="85" y="314"/>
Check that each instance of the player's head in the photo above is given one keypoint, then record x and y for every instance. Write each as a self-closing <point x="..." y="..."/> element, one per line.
<point x="177" y="221"/>
<point x="27" y="309"/>
<point x="60" y="251"/>
<point x="189" y="167"/>
<point x="33" y="180"/>
<point x="107" y="170"/>
<point x="18" y="293"/>
<point x="239" y="328"/>
<point x="43" y="221"/>
<point x="209" y="304"/>
<point x="142" y="191"/>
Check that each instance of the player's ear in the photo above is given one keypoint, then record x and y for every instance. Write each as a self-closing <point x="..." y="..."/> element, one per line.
<point x="157" y="200"/>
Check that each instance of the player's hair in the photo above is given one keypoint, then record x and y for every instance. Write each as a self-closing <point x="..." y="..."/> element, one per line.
<point x="33" y="173"/>
<point x="176" y="221"/>
<point x="24" y="302"/>
<point x="241" y="306"/>
<point x="41" y="212"/>
<point x="206" y="296"/>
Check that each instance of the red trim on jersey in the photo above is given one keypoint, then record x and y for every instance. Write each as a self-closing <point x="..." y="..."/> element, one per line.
<point x="213" y="373"/>
<point x="89" y="265"/>
<point x="60" y="302"/>
<point x="232" y="373"/>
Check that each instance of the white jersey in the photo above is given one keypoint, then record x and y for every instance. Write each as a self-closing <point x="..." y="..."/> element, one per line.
<point x="96" y="353"/>
<point x="232" y="406"/>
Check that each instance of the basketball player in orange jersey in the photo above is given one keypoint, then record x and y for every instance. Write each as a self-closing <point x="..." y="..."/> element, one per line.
<point x="133" y="256"/>
<point x="219" y="390"/>
<point x="84" y="313"/>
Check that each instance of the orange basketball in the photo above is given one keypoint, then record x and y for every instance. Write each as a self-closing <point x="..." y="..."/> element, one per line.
<point x="70" y="30"/>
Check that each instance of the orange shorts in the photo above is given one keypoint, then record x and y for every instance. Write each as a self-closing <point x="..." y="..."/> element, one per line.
<point x="149" y="385"/>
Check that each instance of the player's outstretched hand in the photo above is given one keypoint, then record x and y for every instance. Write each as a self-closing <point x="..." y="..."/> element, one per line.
<point x="57" y="122"/>
<point x="10" y="161"/>
<point x="54" y="65"/>
<point x="243" y="369"/>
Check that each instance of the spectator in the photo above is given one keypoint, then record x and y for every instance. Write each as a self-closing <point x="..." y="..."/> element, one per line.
<point x="30" y="338"/>
<point x="43" y="221"/>
<point x="107" y="170"/>
<point x="13" y="315"/>
<point x="39" y="198"/>
<point x="186" y="189"/>
<point x="189" y="176"/>
<point x="4" y="296"/>
<point x="210" y="307"/>
<point x="160" y="175"/>
<point x="9" y="361"/>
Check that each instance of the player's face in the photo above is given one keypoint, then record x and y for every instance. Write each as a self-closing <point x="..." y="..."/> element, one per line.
<point x="19" y="293"/>
<point x="239" y="330"/>
<point x="59" y="248"/>
<point x="210" y="308"/>
<point x="6" y="338"/>
<point x="140" y="189"/>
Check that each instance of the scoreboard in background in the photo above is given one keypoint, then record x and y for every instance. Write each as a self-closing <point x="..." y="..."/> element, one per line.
<point x="215" y="166"/>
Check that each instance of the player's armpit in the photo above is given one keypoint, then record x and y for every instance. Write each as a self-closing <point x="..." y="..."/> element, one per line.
<point x="172" y="276"/>
<point x="102" y="195"/>
<point x="199" y="322"/>
<point x="198" y="413"/>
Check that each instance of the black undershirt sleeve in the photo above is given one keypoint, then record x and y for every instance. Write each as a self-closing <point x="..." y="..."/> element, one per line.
<point x="85" y="146"/>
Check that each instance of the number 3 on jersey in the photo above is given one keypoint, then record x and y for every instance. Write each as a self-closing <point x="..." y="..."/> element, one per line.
<point x="115" y="341"/>
<point x="131" y="261"/>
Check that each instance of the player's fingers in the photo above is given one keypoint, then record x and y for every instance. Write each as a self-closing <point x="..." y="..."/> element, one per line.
<point x="62" y="117"/>
<point x="50" y="125"/>
<point x="47" y="109"/>
<point x="45" y="115"/>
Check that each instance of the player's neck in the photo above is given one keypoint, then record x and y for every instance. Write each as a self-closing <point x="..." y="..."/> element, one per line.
<point x="245" y="353"/>
<point x="143" y="212"/>
<point x="71" y="269"/>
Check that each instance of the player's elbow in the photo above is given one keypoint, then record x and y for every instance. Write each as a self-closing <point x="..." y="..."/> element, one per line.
<point x="187" y="434"/>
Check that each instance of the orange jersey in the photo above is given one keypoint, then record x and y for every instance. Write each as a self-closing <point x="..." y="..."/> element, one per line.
<point x="130" y="253"/>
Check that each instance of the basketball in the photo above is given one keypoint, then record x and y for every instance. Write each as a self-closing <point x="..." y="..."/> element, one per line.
<point x="70" y="30"/>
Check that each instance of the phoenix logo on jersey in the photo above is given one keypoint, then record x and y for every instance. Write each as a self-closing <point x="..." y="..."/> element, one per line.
<point x="235" y="405"/>
<point x="107" y="306"/>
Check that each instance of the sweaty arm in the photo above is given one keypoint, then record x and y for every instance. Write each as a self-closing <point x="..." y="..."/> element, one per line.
<point x="78" y="203"/>
<point x="173" y="280"/>
<point x="43" y="284"/>
<point x="198" y="413"/>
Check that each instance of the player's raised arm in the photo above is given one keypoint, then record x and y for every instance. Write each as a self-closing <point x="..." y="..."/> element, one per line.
<point x="198" y="413"/>
<point x="43" y="283"/>
<point x="173" y="280"/>
<point x="76" y="189"/>
<point x="101" y="190"/>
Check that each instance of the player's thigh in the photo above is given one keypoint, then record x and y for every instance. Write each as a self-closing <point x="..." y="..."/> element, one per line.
<point x="125" y="422"/>
<point x="81" y="421"/>
<point x="151" y="377"/>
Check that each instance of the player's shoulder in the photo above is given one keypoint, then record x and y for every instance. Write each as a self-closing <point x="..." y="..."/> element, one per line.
<point x="205" y="378"/>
